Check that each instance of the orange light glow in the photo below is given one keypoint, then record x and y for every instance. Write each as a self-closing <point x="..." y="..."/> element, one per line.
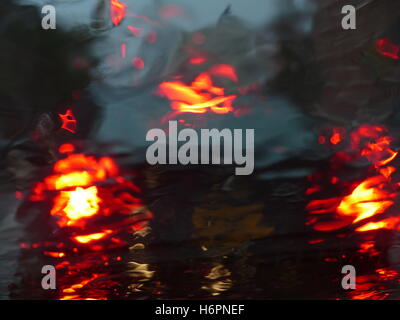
<point x="54" y="254"/>
<point x="117" y="11"/>
<point x="77" y="286"/>
<point x="367" y="200"/>
<point x="387" y="274"/>
<point x="372" y="295"/>
<point x="74" y="177"/>
<point x="201" y="95"/>
<point x="66" y="148"/>
<point x="368" y="247"/>
<point x="92" y="237"/>
<point x="387" y="171"/>
<point x="374" y="144"/>
<point x="75" y="205"/>
<point x="197" y="60"/>
<point x="336" y="137"/>
<point x="389" y="223"/>
<point x="80" y="170"/>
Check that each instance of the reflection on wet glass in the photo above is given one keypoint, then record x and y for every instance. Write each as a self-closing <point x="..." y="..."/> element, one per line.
<point x="115" y="228"/>
<point x="219" y="280"/>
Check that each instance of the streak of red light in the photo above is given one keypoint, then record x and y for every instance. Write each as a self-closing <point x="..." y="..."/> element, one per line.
<point x="92" y="237"/>
<point x="66" y="148"/>
<point x="69" y="122"/>
<point x="388" y="49"/>
<point x="123" y="50"/>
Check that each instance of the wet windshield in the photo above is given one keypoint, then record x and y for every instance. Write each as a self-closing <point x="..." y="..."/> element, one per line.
<point x="207" y="149"/>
